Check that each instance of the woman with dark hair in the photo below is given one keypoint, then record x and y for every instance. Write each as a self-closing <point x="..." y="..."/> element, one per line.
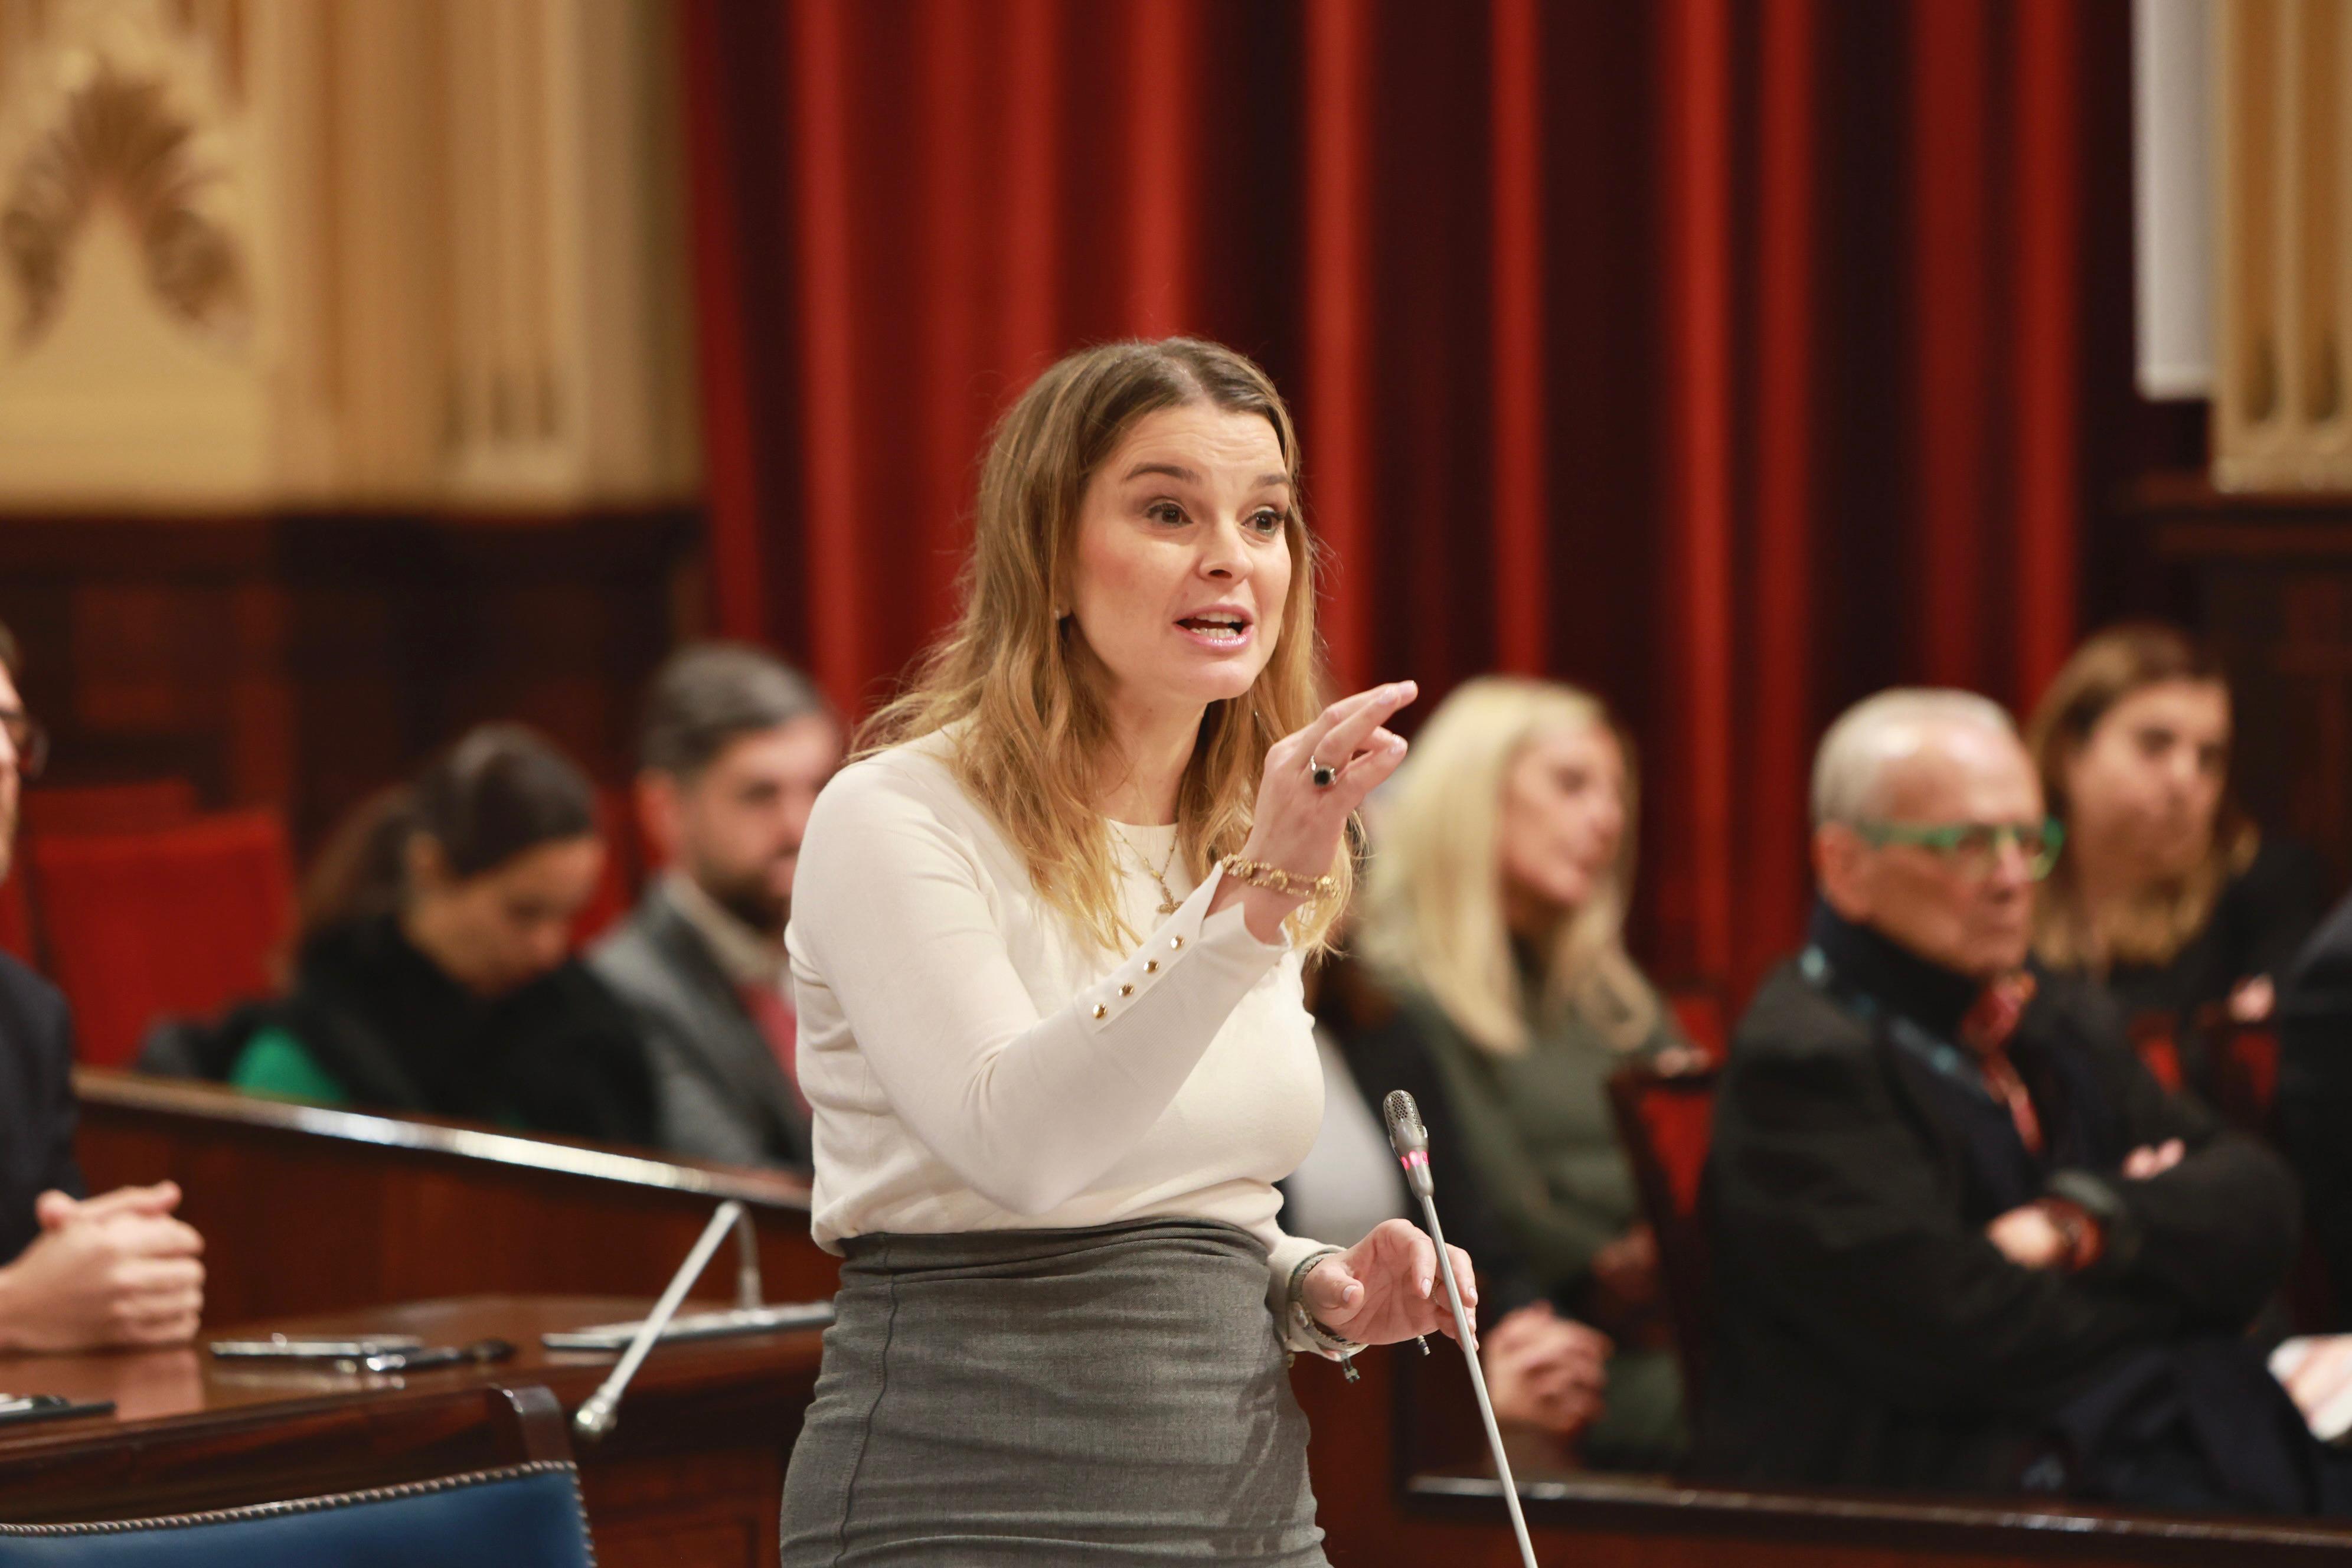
<point x="434" y="974"/>
<point x="2166" y="891"/>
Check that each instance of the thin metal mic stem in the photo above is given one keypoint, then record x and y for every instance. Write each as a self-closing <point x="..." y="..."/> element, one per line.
<point x="1478" y="1381"/>
<point x="746" y="1260"/>
<point x="596" y="1417"/>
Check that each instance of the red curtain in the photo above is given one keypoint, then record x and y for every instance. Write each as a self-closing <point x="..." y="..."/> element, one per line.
<point x="1733" y="357"/>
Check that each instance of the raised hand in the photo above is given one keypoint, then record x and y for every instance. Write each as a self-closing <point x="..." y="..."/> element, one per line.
<point x="1298" y="825"/>
<point x="1385" y="1288"/>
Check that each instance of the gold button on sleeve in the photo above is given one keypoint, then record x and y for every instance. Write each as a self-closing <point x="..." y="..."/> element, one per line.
<point x="1101" y="1011"/>
<point x="1151" y="966"/>
<point x="1127" y="990"/>
<point x="1177" y="943"/>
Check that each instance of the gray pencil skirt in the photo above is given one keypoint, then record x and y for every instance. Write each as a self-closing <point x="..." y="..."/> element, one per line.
<point x="1111" y="1394"/>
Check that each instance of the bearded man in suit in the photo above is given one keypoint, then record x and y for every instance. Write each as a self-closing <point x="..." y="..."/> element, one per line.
<point x="734" y="748"/>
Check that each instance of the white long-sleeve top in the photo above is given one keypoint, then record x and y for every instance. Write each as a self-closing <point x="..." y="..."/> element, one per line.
<point x="974" y="1063"/>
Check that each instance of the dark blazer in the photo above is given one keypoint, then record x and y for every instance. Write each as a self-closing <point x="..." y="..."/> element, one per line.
<point x="1869" y="1334"/>
<point x="2261" y="919"/>
<point x="36" y="1102"/>
<point x="2315" y="1092"/>
<point x="723" y="1096"/>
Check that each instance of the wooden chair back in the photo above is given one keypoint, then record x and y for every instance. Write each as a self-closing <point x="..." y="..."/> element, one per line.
<point x="1665" y="1119"/>
<point x="140" y="807"/>
<point x="180" y="921"/>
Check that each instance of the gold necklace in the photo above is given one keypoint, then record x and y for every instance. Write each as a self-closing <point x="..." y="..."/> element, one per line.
<point x="1168" y="905"/>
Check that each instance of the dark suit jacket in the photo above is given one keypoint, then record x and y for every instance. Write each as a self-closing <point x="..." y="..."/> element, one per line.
<point x="1868" y="1332"/>
<point x="722" y="1094"/>
<point x="36" y="1102"/>
<point x="2314" y="1091"/>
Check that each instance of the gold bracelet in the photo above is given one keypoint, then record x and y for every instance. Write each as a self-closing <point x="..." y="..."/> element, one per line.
<point x="1258" y="874"/>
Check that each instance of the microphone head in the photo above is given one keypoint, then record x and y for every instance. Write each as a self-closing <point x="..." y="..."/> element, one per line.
<point x="1410" y="1139"/>
<point x="1406" y="1134"/>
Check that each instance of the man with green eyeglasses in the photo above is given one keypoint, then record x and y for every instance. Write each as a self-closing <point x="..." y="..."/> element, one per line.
<point x="1962" y="1240"/>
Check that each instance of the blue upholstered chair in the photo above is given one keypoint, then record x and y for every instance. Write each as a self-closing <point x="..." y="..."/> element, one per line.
<point x="520" y="1516"/>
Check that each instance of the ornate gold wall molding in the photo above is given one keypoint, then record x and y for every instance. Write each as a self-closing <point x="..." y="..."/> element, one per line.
<point x="2283" y="407"/>
<point x="119" y="140"/>
<point x="320" y="252"/>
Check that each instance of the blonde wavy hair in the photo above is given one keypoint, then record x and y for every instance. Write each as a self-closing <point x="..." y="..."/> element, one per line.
<point x="1433" y="914"/>
<point x="1025" y="695"/>
<point x="2153" y="926"/>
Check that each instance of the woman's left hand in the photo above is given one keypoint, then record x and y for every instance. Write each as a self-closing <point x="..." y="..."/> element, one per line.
<point x="1385" y="1288"/>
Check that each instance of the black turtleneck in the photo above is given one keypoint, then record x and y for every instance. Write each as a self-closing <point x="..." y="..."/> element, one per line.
<point x="1894" y="977"/>
<point x="2067" y="1101"/>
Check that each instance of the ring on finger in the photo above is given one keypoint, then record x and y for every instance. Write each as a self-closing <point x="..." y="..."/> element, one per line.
<point x="1322" y="774"/>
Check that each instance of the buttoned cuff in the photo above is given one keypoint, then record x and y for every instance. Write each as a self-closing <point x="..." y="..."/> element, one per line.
<point x="1190" y="939"/>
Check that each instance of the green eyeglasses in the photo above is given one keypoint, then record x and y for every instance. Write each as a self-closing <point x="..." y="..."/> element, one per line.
<point x="1976" y="847"/>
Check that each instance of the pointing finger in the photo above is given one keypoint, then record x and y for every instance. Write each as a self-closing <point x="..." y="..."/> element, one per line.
<point x="1336" y="712"/>
<point x="1344" y="739"/>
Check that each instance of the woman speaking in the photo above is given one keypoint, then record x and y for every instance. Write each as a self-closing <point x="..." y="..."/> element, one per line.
<point x="1045" y="945"/>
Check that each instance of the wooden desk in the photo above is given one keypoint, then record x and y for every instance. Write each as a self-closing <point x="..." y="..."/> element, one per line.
<point x="324" y="1212"/>
<point x="690" y="1475"/>
<point x="1375" y="1517"/>
<point x="310" y="1210"/>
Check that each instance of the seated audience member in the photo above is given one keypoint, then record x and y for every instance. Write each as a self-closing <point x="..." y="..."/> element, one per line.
<point x="2166" y="894"/>
<point x="1961" y="1239"/>
<point x="2315" y="1095"/>
<point x="734" y="749"/>
<point x="1493" y="917"/>
<point x="74" y="1273"/>
<point x="433" y="975"/>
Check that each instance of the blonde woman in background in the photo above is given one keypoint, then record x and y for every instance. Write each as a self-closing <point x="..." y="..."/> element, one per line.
<point x="1495" y="914"/>
<point x="2166" y="891"/>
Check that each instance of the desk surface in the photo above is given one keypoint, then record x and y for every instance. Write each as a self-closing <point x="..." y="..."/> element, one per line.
<point x="182" y="1415"/>
<point x="151" y="1387"/>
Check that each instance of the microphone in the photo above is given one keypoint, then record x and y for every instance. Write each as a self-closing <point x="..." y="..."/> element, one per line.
<point x="1410" y="1139"/>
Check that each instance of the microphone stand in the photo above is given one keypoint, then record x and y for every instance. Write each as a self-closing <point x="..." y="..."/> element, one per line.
<point x="1479" y="1382"/>
<point x="1410" y="1139"/>
<point x="601" y="1410"/>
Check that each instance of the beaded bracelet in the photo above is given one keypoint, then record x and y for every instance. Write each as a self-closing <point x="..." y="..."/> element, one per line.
<point x="1258" y="874"/>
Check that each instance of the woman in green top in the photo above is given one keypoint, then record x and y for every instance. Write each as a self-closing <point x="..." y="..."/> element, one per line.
<point x="434" y="974"/>
<point x="1493" y="917"/>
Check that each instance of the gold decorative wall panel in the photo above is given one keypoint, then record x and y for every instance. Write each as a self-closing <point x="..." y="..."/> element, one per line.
<point x="328" y="252"/>
<point x="2282" y="408"/>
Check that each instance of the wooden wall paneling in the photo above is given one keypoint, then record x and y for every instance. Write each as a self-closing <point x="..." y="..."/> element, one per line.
<point x="302" y="662"/>
<point x="2268" y="579"/>
<point x="387" y="1209"/>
